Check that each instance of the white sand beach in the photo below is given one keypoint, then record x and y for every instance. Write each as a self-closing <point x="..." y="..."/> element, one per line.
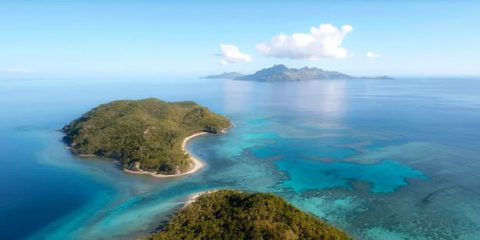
<point x="197" y="164"/>
<point x="193" y="197"/>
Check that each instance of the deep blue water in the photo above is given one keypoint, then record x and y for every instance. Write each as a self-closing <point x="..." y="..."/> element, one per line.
<point x="382" y="159"/>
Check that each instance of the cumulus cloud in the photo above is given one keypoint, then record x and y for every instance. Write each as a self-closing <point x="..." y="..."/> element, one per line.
<point x="231" y="54"/>
<point x="370" y="54"/>
<point x="322" y="42"/>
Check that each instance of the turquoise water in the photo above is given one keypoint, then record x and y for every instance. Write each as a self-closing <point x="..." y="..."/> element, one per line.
<point x="380" y="159"/>
<point x="384" y="177"/>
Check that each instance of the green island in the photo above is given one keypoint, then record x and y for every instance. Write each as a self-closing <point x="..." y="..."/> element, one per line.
<point x="149" y="136"/>
<point x="143" y="135"/>
<point x="229" y="214"/>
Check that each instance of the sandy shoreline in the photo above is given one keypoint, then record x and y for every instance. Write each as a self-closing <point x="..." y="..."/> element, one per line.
<point x="193" y="197"/>
<point x="197" y="163"/>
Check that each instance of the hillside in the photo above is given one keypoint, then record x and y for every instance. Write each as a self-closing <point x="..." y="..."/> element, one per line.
<point x="142" y="135"/>
<point x="228" y="214"/>
<point x="282" y="73"/>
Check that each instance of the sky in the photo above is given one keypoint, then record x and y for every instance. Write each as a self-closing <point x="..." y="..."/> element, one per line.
<point x="194" y="38"/>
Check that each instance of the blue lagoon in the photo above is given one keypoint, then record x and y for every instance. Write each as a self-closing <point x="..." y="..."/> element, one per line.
<point x="381" y="159"/>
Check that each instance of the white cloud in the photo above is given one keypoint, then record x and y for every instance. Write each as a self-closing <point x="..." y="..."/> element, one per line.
<point x="231" y="54"/>
<point x="370" y="54"/>
<point x="322" y="42"/>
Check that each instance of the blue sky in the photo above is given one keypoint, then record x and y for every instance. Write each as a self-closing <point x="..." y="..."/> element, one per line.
<point x="150" y="38"/>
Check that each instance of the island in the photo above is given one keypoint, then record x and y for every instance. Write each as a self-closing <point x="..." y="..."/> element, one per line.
<point x="145" y="136"/>
<point x="225" y="75"/>
<point x="230" y="214"/>
<point x="281" y="73"/>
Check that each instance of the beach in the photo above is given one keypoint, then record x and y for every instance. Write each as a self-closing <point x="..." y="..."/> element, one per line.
<point x="193" y="197"/>
<point x="196" y="166"/>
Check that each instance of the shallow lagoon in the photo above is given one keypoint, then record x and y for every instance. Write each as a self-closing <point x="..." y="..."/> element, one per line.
<point x="379" y="158"/>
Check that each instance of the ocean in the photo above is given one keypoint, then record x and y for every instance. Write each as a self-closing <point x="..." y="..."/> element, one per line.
<point x="381" y="159"/>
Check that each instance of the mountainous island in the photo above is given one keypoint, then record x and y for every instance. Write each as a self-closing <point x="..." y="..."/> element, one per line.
<point x="228" y="214"/>
<point x="144" y="136"/>
<point x="280" y="72"/>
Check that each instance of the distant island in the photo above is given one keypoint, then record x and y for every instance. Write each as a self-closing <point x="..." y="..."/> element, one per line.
<point x="144" y="136"/>
<point x="228" y="214"/>
<point x="226" y="75"/>
<point x="280" y="72"/>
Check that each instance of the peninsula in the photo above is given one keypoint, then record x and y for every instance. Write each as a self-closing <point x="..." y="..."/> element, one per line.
<point x="281" y="73"/>
<point x="229" y="214"/>
<point x="144" y="136"/>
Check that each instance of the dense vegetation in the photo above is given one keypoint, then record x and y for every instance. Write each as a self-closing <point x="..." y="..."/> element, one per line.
<point x="145" y="134"/>
<point x="228" y="214"/>
<point x="282" y="73"/>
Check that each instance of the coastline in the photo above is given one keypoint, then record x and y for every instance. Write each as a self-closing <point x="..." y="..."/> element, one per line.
<point x="193" y="197"/>
<point x="197" y="163"/>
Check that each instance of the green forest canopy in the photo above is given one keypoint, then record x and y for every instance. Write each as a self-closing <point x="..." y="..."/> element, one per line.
<point x="149" y="132"/>
<point x="228" y="214"/>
